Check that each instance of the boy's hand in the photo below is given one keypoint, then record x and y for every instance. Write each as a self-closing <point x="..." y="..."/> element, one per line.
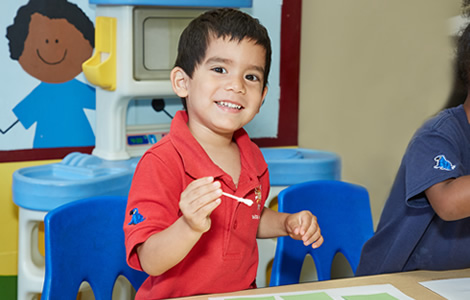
<point x="198" y="201"/>
<point x="303" y="226"/>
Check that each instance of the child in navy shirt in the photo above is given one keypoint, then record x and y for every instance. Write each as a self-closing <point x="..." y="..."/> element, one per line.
<point x="425" y="223"/>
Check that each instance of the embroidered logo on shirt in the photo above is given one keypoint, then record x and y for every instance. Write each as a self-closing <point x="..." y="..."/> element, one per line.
<point x="136" y="217"/>
<point x="443" y="164"/>
<point x="258" y="196"/>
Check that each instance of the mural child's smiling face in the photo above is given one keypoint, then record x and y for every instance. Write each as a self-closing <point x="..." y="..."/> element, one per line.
<point x="54" y="50"/>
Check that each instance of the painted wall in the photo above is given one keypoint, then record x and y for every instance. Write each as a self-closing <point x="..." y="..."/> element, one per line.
<point x="371" y="73"/>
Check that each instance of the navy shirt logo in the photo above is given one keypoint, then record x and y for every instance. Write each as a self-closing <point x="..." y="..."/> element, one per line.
<point x="443" y="164"/>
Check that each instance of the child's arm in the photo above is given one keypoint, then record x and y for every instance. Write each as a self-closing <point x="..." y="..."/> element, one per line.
<point x="300" y="226"/>
<point x="163" y="250"/>
<point x="450" y="198"/>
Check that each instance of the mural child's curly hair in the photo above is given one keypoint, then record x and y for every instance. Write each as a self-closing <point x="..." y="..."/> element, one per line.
<point x="53" y="9"/>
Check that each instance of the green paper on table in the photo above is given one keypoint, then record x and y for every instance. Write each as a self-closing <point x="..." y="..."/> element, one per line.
<point x="255" y="298"/>
<point x="381" y="296"/>
<point x="309" y="296"/>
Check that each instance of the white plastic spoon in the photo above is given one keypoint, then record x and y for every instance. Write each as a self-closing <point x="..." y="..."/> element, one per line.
<point x="242" y="200"/>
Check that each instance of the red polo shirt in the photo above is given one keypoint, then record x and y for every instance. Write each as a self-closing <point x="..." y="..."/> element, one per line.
<point x="225" y="259"/>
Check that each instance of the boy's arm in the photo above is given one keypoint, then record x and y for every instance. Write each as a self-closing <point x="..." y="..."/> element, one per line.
<point x="300" y="226"/>
<point x="271" y="224"/>
<point x="450" y="198"/>
<point x="163" y="250"/>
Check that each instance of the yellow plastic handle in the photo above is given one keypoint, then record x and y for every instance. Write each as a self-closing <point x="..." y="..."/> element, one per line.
<point x="100" y="69"/>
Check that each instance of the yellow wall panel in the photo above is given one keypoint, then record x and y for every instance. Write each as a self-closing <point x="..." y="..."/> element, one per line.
<point x="9" y="216"/>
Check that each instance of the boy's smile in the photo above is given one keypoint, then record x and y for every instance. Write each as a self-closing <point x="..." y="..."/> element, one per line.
<point x="226" y="89"/>
<point x="229" y="105"/>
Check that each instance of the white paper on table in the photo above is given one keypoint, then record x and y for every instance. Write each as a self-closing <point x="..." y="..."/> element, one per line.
<point x="335" y="293"/>
<point x="452" y="289"/>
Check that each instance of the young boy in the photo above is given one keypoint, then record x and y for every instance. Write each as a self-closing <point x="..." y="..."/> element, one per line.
<point x="425" y="223"/>
<point x="180" y="229"/>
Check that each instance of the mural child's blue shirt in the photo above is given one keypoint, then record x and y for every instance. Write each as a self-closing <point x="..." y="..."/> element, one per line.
<point x="410" y="235"/>
<point x="58" y="110"/>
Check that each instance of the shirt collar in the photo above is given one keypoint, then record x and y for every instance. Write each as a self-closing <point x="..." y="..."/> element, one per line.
<point x="194" y="156"/>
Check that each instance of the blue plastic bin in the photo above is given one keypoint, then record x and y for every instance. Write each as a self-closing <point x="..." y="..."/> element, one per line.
<point x="290" y="166"/>
<point x="77" y="176"/>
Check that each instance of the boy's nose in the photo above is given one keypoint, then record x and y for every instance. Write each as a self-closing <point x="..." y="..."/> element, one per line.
<point x="236" y="85"/>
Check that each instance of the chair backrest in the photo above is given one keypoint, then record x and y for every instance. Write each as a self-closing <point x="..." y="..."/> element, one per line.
<point x="343" y="213"/>
<point x="84" y="241"/>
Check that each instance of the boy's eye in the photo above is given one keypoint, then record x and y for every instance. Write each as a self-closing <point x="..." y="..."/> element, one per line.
<point x="219" y="70"/>
<point x="252" y="77"/>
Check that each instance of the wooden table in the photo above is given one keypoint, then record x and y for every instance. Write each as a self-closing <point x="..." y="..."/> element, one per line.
<point x="406" y="282"/>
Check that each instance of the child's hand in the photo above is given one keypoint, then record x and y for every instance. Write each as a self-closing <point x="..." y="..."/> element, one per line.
<point x="303" y="226"/>
<point x="198" y="201"/>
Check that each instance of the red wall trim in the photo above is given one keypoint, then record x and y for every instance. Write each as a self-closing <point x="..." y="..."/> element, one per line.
<point x="41" y="153"/>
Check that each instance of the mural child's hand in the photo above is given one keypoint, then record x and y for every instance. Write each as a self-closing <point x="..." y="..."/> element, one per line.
<point x="303" y="226"/>
<point x="198" y="201"/>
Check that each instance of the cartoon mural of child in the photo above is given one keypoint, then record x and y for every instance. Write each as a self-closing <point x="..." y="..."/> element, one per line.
<point x="51" y="39"/>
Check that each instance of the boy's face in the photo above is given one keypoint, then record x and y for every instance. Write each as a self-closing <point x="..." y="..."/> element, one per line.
<point x="226" y="89"/>
<point x="54" y="50"/>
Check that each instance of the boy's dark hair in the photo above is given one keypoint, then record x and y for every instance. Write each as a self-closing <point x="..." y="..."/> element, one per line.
<point x="220" y="23"/>
<point x="53" y="9"/>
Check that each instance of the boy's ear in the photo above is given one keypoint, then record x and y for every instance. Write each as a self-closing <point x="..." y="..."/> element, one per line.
<point x="179" y="80"/>
<point x="263" y="96"/>
<point x="265" y="91"/>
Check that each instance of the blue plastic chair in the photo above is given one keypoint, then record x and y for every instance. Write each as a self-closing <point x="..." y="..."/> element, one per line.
<point x="343" y="213"/>
<point x="84" y="241"/>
